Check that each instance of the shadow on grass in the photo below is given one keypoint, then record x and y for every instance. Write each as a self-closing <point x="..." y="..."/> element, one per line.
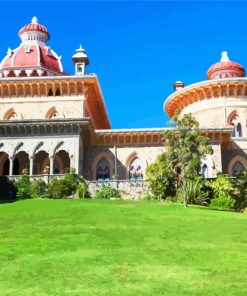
<point x="7" y="190"/>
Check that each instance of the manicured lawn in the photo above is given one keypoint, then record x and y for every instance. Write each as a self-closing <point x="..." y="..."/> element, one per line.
<point x="95" y="247"/>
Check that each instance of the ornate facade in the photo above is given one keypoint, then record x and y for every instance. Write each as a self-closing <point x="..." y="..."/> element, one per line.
<point x="51" y="121"/>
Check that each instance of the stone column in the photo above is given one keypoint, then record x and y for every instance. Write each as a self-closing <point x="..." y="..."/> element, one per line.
<point x="11" y="165"/>
<point x="30" y="165"/>
<point x="51" y="164"/>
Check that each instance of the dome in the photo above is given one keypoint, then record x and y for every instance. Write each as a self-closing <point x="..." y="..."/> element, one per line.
<point x="34" y="26"/>
<point x="225" y="69"/>
<point x="33" y="57"/>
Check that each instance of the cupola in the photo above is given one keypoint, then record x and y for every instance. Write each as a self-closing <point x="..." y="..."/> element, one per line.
<point x="80" y="60"/>
<point x="225" y="69"/>
<point x="33" y="57"/>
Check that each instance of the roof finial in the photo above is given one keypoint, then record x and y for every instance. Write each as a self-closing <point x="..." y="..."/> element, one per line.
<point x="34" y="20"/>
<point x="224" y="57"/>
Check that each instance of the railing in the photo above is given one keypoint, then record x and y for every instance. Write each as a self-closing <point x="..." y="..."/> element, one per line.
<point x="45" y="178"/>
<point x="128" y="186"/>
<point x="121" y="185"/>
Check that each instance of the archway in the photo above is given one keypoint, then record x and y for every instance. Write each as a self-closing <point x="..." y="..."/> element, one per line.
<point x="21" y="163"/>
<point x="238" y="167"/>
<point x="103" y="170"/>
<point x="61" y="162"/>
<point x="136" y="169"/>
<point x="238" y="163"/>
<point x="4" y="164"/>
<point x="41" y="163"/>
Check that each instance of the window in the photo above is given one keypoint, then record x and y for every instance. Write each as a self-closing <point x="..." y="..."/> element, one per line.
<point x="238" y="167"/>
<point x="204" y="171"/>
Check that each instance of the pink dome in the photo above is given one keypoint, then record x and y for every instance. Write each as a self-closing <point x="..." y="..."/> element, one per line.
<point x="32" y="54"/>
<point x="225" y="69"/>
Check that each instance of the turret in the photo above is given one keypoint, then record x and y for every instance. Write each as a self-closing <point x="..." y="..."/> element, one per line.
<point x="80" y="60"/>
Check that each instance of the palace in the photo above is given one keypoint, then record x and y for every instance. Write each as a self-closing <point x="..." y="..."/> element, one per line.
<point x="51" y="121"/>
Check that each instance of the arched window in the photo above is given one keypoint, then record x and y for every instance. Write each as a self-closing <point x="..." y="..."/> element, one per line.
<point x="239" y="130"/>
<point x="233" y="120"/>
<point x="136" y="169"/>
<point x="103" y="170"/>
<point x="58" y="92"/>
<point x="238" y="167"/>
<point x="50" y="93"/>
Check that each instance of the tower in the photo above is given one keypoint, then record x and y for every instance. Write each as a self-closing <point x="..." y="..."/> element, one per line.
<point x="80" y="60"/>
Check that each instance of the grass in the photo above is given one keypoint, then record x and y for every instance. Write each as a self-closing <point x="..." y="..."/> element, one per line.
<point x="97" y="247"/>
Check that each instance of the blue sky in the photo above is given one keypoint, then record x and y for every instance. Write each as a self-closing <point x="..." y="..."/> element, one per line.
<point x="137" y="49"/>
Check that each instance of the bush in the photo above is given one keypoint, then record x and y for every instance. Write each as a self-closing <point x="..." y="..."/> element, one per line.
<point x="38" y="188"/>
<point x="23" y="186"/>
<point x="196" y="191"/>
<point x="57" y="188"/>
<point x="106" y="193"/>
<point x="82" y="190"/>
<point x="225" y="203"/>
<point x="223" y="186"/>
<point x="159" y="178"/>
<point x="71" y="181"/>
<point x="241" y="196"/>
<point x="66" y="186"/>
<point x="149" y="197"/>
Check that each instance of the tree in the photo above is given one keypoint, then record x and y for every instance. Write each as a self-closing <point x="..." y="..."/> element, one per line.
<point x="185" y="147"/>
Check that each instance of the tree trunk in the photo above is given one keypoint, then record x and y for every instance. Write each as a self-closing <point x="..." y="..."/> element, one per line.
<point x="184" y="193"/>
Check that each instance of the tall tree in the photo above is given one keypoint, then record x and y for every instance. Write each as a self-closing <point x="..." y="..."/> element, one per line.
<point x="185" y="147"/>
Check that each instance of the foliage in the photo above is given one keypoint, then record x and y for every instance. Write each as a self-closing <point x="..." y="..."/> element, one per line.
<point x="82" y="190"/>
<point x="241" y="183"/>
<point x="106" y="192"/>
<point x="195" y="191"/>
<point x="149" y="197"/>
<point x="66" y="186"/>
<point x="72" y="181"/>
<point x="222" y="203"/>
<point x="57" y="188"/>
<point x="7" y="189"/>
<point x="185" y="147"/>
<point x="23" y="186"/>
<point x="223" y="186"/>
<point x="223" y="189"/>
<point x="38" y="188"/>
<point x="160" y="178"/>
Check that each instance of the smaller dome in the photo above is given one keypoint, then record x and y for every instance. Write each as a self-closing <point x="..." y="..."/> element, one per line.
<point x="225" y="69"/>
<point x="34" y="26"/>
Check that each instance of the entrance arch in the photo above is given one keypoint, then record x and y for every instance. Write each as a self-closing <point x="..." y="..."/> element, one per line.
<point x="21" y="163"/>
<point x="61" y="162"/>
<point x="237" y="163"/>
<point x="41" y="163"/>
<point x="4" y="164"/>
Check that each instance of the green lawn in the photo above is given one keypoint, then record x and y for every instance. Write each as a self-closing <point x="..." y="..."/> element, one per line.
<point x="96" y="247"/>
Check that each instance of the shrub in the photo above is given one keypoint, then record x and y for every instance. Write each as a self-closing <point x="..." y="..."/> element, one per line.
<point x="223" y="186"/>
<point x="106" y="193"/>
<point x="57" y="188"/>
<point x="225" y="203"/>
<point x="196" y="191"/>
<point x="23" y="186"/>
<point x="66" y="186"/>
<point x="71" y="181"/>
<point x="241" y="196"/>
<point x="82" y="190"/>
<point x="38" y="188"/>
<point x="149" y="197"/>
<point x="159" y="178"/>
